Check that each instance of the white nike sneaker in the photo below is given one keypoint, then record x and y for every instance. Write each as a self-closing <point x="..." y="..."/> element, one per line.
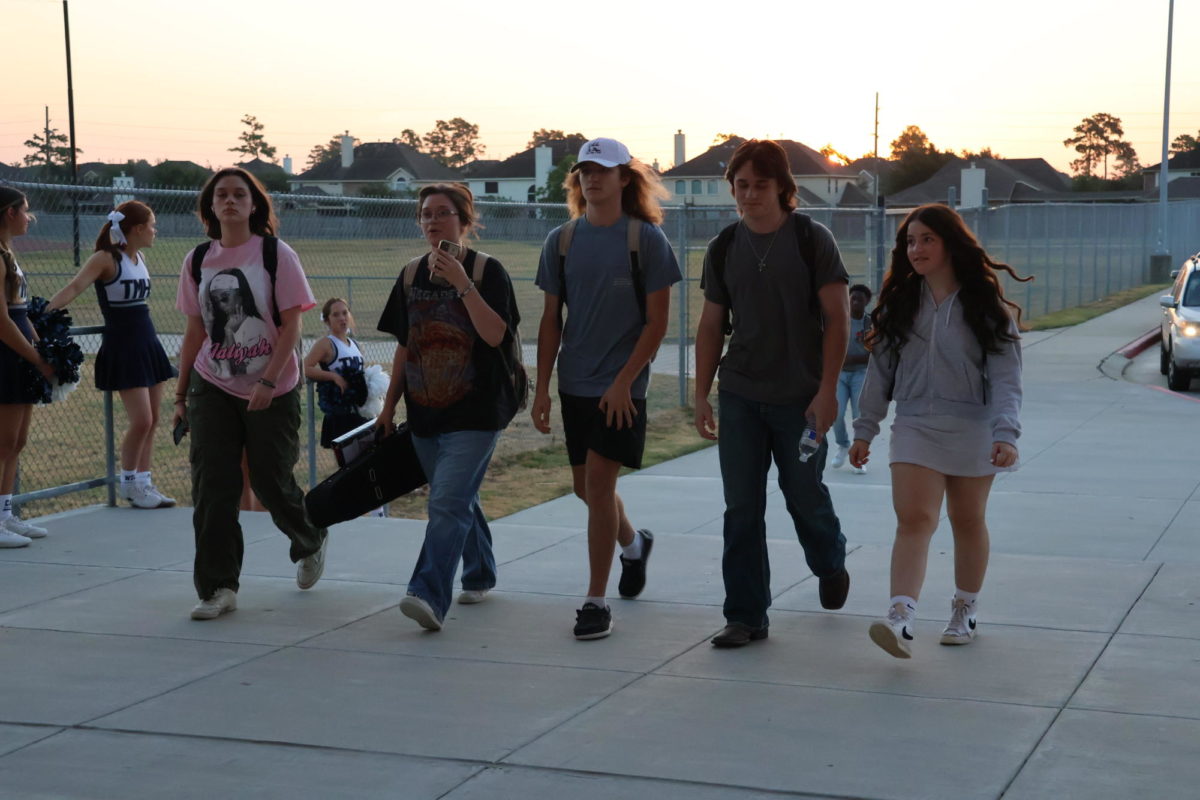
<point x="839" y="458"/>
<point x="961" y="628"/>
<point x="894" y="633"/>
<point x="23" y="528"/>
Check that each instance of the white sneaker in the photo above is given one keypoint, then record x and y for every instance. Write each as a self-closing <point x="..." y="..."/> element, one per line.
<point x="961" y="628"/>
<point x="143" y="496"/>
<point x="10" y="539"/>
<point x="23" y="528"/>
<point x="839" y="458"/>
<point x="310" y="568"/>
<point x="414" y="607"/>
<point x="163" y="500"/>
<point x="469" y="597"/>
<point x="858" y="470"/>
<point x="894" y="633"/>
<point x="222" y="601"/>
<point x="123" y="488"/>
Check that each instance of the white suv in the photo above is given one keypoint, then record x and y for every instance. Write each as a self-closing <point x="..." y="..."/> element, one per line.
<point x="1179" y="349"/>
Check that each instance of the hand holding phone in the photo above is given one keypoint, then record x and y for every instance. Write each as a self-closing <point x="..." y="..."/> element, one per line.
<point x="179" y="431"/>
<point x="452" y="249"/>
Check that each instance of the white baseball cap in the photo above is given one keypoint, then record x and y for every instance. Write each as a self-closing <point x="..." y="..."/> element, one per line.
<point x="605" y="152"/>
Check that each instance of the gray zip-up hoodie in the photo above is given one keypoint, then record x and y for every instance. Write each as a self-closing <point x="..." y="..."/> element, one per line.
<point x="941" y="371"/>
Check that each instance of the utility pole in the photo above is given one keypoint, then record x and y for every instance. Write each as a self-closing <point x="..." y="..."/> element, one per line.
<point x="46" y="145"/>
<point x="878" y="213"/>
<point x="71" y="124"/>
<point x="1160" y="260"/>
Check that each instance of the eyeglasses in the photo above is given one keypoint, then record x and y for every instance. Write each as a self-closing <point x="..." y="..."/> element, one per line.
<point x="442" y="213"/>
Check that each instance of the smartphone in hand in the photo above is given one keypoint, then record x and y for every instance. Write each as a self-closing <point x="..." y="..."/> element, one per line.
<point x="180" y="430"/>
<point x="456" y="251"/>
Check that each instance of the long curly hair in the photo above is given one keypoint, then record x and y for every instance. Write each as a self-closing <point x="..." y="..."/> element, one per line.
<point x="985" y="308"/>
<point x="642" y="196"/>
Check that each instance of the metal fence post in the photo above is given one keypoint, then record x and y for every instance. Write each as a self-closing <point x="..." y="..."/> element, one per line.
<point x="110" y="449"/>
<point x="684" y="297"/>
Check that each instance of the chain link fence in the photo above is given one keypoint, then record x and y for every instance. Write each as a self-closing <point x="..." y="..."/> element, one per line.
<point x="354" y="248"/>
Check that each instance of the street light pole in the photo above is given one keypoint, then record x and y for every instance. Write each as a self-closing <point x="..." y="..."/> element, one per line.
<point x="71" y="125"/>
<point x="1160" y="261"/>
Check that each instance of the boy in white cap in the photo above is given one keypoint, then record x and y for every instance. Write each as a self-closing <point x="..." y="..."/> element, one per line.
<point x="612" y="268"/>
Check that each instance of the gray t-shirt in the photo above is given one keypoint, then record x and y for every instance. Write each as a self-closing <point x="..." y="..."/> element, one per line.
<point x="603" y="321"/>
<point x="856" y="347"/>
<point x="774" y="354"/>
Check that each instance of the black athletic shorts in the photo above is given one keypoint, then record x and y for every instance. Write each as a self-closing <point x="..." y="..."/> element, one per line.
<point x="585" y="428"/>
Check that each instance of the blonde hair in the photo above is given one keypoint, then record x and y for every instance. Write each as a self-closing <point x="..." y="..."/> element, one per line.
<point x="641" y="197"/>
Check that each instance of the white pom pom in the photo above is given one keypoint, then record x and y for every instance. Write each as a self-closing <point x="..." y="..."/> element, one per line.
<point x="377" y="386"/>
<point x="60" y="391"/>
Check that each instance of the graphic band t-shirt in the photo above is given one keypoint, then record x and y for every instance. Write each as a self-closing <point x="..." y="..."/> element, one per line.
<point x="234" y="302"/>
<point x="453" y="380"/>
<point x="603" y="321"/>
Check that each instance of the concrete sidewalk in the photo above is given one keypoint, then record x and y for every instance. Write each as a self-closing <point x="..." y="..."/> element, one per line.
<point x="1083" y="681"/>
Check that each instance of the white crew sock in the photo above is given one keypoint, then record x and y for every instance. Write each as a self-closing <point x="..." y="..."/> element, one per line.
<point x="128" y="476"/>
<point x="969" y="597"/>
<point x="142" y="478"/>
<point x="907" y="601"/>
<point x="5" y="506"/>
<point x="599" y="601"/>
<point x="633" y="550"/>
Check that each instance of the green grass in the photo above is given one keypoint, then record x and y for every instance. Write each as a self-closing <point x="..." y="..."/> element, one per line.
<point x="1074" y="316"/>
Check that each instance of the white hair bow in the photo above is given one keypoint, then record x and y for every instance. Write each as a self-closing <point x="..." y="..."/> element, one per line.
<point x="115" y="234"/>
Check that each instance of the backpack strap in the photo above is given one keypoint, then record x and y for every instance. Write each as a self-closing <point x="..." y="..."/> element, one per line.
<point x="808" y="253"/>
<point x="410" y="272"/>
<point x="478" y="262"/>
<point x="633" y="242"/>
<point x="718" y="251"/>
<point x="270" y="264"/>
<point x="565" y="234"/>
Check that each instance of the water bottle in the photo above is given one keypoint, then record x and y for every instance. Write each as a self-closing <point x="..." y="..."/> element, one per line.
<point x="810" y="440"/>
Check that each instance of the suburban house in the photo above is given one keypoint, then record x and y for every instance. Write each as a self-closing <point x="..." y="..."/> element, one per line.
<point x="701" y="180"/>
<point x="519" y="177"/>
<point x="1180" y="165"/>
<point x="374" y="164"/>
<point x="1005" y="179"/>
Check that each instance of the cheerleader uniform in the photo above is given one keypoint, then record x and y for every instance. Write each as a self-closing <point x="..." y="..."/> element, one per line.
<point x="347" y="360"/>
<point x="130" y="354"/>
<point x="17" y="386"/>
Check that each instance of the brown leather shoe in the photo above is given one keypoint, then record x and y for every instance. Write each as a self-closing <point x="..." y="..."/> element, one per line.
<point x="834" y="590"/>
<point x="737" y="634"/>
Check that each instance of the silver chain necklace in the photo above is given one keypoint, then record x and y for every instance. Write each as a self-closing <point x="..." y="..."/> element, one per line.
<point x="762" y="260"/>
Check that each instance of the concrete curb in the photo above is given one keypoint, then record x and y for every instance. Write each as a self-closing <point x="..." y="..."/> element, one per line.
<point x="1141" y="344"/>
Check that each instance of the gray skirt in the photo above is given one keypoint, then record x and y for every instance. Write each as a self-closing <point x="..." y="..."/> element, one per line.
<point x="945" y="444"/>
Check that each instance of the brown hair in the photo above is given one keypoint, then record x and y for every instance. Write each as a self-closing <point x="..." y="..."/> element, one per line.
<point x="9" y="199"/>
<point x="640" y="198"/>
<point x="262" y="219"/>
<point x="985" y="308"/>
<point x="325" y="309"/>
<point x="136" y="213"/>
<point x="768" y="160"/>
<point x="460" y="196"/>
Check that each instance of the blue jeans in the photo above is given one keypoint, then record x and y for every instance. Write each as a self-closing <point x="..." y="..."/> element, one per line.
<point x="751" y="434"/>
<point x="848" y="389"/>
<point x="455" y="464"/>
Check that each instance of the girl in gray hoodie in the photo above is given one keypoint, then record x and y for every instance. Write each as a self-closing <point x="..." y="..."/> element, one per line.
<point x="946" y="349"/>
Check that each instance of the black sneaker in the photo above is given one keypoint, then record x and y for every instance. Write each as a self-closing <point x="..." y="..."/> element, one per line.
<point x="593" y="622"/>
<point x="633" y="571"/>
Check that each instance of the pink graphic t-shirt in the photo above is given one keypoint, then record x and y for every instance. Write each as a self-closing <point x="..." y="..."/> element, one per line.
<point x="234" y="302"/>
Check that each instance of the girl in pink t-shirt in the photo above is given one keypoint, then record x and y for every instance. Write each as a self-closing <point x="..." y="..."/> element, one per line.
<point x="238" y="384"/>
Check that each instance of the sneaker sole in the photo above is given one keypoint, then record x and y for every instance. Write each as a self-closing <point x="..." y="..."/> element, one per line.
<point x="15" y="545"/>
<point x="420" y="616"/>
<point x="951" y="639"/>
<point x="204" y="615"/>
<point x="883" y="635"/>
<point x="584" y="637"/>
<point x="320" y="570"/>
<point x="470" y="600"/>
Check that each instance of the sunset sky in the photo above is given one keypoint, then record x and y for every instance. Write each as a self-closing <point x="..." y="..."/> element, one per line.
<point x="167" y="79"/>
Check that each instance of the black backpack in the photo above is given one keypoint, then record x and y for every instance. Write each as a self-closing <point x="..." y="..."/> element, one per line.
<point x="270" y="264"/>
<point x="718" y="250"/>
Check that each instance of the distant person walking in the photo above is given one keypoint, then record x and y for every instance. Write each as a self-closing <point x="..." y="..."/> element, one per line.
<point x="945" y="347"/>
<point x="854" y="372"/>
<point x="612" y="268"/>
<point x="131" y="361"/>
<point x="781" y="277"/>
<point x="243" y="293"/>
<point x="17" y="351"/>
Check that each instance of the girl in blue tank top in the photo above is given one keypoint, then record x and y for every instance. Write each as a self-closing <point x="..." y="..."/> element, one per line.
<point x="131" y="360"/>
<point x="336" y="359"/>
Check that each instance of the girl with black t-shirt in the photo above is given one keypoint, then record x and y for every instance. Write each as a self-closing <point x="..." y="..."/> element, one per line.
<point x="450" y="370"/>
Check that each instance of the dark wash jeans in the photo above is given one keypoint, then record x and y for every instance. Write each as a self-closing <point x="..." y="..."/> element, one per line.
<point x="221" y="428"/>
<point x="751" y="434"/>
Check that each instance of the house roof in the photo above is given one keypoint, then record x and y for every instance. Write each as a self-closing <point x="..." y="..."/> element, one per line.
<point x="853" y="196"/>
<point x="1178" y="189"/>
<point x="809" y="198"/>
<point x="257" y="167"/>
<point x="377" y="161"/>
<point x="1188" y="160"/>
<point x="522" y="164"/>
<point x="712" y="162"/>
<point x="1002" y="176"/>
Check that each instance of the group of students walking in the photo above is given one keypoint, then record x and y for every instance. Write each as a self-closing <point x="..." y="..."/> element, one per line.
<point x="791" y="346"/>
